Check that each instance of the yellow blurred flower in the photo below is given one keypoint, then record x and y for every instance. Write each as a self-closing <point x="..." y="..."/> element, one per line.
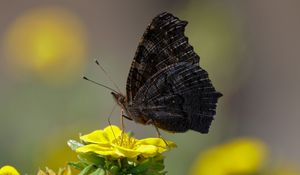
<point x="240" y="156"/>
<point x="49" y="42"/>
<point x="8" y="170"/>
<point x="61" y="171"/>
<point x="113" y="142"/>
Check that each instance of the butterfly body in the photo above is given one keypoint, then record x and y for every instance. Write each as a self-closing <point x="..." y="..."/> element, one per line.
<point x="165" y="86"/>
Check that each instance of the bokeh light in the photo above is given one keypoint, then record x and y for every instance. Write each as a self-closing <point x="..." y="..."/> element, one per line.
<point x="239" y="156"/>
<point x="49" y="42"/>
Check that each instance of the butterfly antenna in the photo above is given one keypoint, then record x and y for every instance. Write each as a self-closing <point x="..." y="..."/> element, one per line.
<point x="110" y="79"/>
<point x="113" y="109"/>
<point x="108" y="120"/>
<point x="102" y="85"/>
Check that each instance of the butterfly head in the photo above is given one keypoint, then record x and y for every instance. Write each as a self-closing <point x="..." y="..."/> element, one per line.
<point x="119" y="98"/>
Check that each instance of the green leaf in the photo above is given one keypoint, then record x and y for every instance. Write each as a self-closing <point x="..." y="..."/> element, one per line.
<point x="91" y="158"/>
<point x="73" y="144"/>
<point x="87" y="170"/>
<point x="78" y="165"/>
<point x="140" y="168"/>
<point x="150" y="166"/>
<point x="159" y="166"/>
<point x="99" y="171"/>
<point x="114" y="170"/>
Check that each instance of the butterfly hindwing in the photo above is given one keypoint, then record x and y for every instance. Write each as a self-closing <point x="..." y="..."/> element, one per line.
<point x="162" y="44"/>
<point x="177" y="98"/>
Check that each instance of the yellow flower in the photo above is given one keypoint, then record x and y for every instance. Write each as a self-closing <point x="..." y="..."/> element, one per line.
<point x="113" y="142"/>
<point x="240" y="156"/>
<point x="8" y="170"/>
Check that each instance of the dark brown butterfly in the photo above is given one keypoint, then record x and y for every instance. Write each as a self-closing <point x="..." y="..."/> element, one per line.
<point x="165" y="86"/>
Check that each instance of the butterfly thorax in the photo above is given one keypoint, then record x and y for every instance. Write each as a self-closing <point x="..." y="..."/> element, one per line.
<point x="131" y="112"/>
<point x="120" y="100"/>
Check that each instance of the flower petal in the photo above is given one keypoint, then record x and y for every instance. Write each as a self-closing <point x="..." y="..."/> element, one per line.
<point x="147" y="150"/>
<point x="96" y="149"/>
<point x="157" y="142"/>
<point x="126" y="152"/>
<point x="102" y="137"/>
<point x="112" y="132"/>
<point x="97" y="136"/>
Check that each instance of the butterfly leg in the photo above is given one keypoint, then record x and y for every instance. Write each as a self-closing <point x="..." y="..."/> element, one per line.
<point x="157" y="130"/>
<point x="122" y="124"/>
<point x="159" y="135"/>
<point x="122" y="120"/>
<point x="125" y="116"/>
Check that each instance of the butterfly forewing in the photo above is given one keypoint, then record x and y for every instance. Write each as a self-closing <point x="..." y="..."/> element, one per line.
<point x="165" y="84"/>
<point x="162" y="44"/>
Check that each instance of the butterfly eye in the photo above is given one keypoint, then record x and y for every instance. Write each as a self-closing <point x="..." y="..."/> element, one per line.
<point x="121" y="99"/>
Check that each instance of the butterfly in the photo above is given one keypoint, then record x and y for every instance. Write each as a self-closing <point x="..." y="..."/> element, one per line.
<point x="166" y="87"/>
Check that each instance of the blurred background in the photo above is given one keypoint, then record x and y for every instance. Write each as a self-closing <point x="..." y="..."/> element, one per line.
<point x="250" y="49"/>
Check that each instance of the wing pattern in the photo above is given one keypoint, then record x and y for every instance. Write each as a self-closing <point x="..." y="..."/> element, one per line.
<point x="165" y="84"/>
<point x="177" y="98"/>
<point x="162" y="44"/>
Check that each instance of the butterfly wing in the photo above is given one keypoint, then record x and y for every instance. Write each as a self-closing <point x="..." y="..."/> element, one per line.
<point x="177" y="98"/>
<point x="162" y="44"/>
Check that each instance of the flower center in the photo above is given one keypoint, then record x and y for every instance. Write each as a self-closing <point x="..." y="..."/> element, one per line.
<point x="125" y="141"/>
